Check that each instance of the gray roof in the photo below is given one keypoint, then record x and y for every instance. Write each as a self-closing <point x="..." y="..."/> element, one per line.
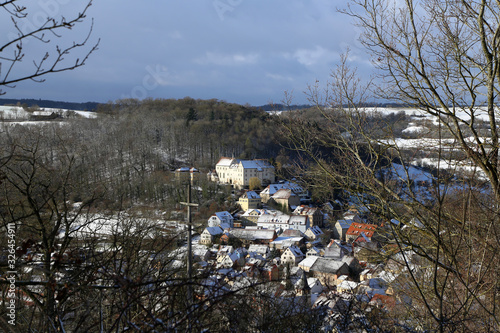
<point x="252" y="234"/>
<point x="327" y="266"/>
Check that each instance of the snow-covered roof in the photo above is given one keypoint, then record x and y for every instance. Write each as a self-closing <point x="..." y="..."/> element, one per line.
<point x="345" y="224"/>
<point x="347" y="285"/>
<point x="316" y="230"/>
<point x="253" y="234"/>
<point x="295" y="251"/>
<point x="327" y="265"/>
<point x="258" y="248"/>
<point x="290" y="240"/>
<point x="214" y="231"/>
<point x="273" y="188"/>
<point x="314" y="249"/>
<point x="224" y="215"/>
<point x="308" y="262"/>
<point x="254" y="212"/>
<point x="283" y="194"/>
<point x="251" y="195"/>
<point x="256" y="164"/>
<point x="225" y="161"/>
<point x="305" y="210"/>
<point x="298" y="219"/>
<point x="276" y="219"/>
<point x="246" y="164"/>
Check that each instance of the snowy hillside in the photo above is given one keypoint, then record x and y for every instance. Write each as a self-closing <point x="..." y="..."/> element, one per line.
<point x="19" y="114"/>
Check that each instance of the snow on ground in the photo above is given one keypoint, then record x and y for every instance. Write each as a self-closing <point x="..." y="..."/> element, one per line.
<point x="412" y="128"/>
<point x="8" y="112"/>
<point x="452" y="165"/>
<point x="100" y="225"/>
<point x="13" y="113"/>
<point x="414" y="173"/>
<point x="31" y="123"/>
<point x="462" y="114"/>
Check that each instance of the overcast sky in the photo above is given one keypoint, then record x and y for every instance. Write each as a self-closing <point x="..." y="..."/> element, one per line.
<point x="243" y="51"/>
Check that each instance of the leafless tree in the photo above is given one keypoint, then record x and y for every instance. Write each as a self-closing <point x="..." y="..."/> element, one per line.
<point x="449" y="229"/>
<point x="31" y="28"/>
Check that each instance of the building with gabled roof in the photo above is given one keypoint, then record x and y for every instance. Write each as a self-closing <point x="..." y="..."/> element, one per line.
<point x="208" y="235"/>
<point x="251" y="216"/>
<point x="341" y="228"/>
<point x="283" y="222"/>
<point x="249" y="200"/>
<point x="328" y="270"/>
<point x="314" y="232"/>
<point x="307" y="263"/>
<point x="316" y="216"/>
<point x="292" y="255"/>
<point x="221" y="218"/>
<point x="364" y="230"/>
<point x="286" y="198"/>
<point x="254" y="236"/>
<point x="259" y="249"/>
<point x="238" y="172"/>
<point x="314" y="251"/>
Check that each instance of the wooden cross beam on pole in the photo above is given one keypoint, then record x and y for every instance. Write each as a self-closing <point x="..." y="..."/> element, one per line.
<point x="189" y="204"/>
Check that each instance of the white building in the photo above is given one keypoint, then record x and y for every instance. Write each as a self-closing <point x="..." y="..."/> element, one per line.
<point x="238" y="172"/>
<point x="224" y="219"/>
<point x="208" y="235"/>
<point x="292" y="255"/>
<point x="283" y="222"/>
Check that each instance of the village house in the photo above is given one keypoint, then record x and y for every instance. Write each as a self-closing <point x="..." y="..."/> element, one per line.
<point x="281" y="242"/>
<point x="292" y="255"/>
<point x="254" y="236"/>
<point x="221" y="219"/>
<point x="291" y="233"/>
<point x="259" y="249"/>
<point x="316" y="216"/>
<point x="314" y="233"/>
<point x="286" y="199"/>
<point x="187" y="174"/>
<point x="270" y="272"/>
<point x="249" y="200"/>
<point x="353" y="214"/>
<point x="208" y="235"/>
<point x="341" y="228"/>
<point x="250" y="217"/>
<point x="347" y="286"/>
<point x="357" y="230"/>
<point x="307" y="263"/>
<point x="283" y="222"/>
<point x="230" y="260"/>
<point x="271" y="189"/>
<point x="314" y="251"/>
<point x="328" y="271"/>
<point x="239" y="172"/>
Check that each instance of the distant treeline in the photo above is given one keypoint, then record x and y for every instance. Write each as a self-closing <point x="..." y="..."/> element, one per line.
<point x="86" y="106"/>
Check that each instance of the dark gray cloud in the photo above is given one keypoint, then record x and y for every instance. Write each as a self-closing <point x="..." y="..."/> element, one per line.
<point x="236" y="50"/>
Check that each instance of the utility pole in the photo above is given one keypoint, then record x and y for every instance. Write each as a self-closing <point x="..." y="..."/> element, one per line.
<point x="189" y="251"/>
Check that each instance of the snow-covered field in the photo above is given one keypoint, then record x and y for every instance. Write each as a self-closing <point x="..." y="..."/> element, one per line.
<point x="17" y="113"/>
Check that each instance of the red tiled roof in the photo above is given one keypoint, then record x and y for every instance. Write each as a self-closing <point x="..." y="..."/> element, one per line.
<point x="358" y="228"/>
